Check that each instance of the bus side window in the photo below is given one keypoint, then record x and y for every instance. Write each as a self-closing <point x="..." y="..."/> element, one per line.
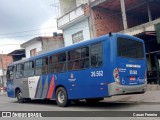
<point x="96" y="55"/>
<point x="59" y="62"/>
<point x="19" y="71"/>
<point x="38" y="67"/>
<point x="45" y="65"/>
<point x="31" y="66"/>
<point x="50" y="65"/>
<point x="78" y="59"/>
<point x="10" y="71"/>
<point x="29" y="69"/>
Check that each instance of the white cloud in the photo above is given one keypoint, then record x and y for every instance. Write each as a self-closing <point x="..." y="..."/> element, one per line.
<point x="24" y="15"/>
<point x="49" y="27"/>
<point x="8" y="45"/>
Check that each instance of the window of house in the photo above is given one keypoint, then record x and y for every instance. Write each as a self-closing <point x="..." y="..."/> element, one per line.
<point x="28" y="69"/>
<point x="96" y="55"/>
<point x="77" y="37"/>
<point x="78" y="59"/>
<point x="33" y="52"/>
<point x="19" y="71"/>
<point x="58" y="63"/>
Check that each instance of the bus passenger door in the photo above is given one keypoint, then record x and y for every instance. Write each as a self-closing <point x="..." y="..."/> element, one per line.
<point x="157" y="59"/>
<point x="10" y="79"/>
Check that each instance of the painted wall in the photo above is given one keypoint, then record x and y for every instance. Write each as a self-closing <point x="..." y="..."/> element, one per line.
<point x="80" y="2"/>
<point x="83" y="25"/>
<point x="67" y="5"/>
<point x="68" y="18"/>
<point x="3" y="78"/>
<point x="36" y="45"/>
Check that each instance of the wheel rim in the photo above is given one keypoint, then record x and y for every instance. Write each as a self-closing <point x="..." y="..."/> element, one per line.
<point x="19" y="96"/>
<point x="61" y="96"/>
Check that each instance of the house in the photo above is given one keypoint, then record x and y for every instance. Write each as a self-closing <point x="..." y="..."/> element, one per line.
<point x="85" y="19"/>
<point x="5" y="60"/>
<point x="17" y="54"/>
<point x="42" y="44"/>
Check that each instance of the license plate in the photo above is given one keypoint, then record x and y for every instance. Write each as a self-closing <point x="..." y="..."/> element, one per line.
<point x="132" y="78"/>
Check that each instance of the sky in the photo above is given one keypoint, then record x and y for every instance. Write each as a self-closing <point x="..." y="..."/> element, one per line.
<point x="22" y="20"/>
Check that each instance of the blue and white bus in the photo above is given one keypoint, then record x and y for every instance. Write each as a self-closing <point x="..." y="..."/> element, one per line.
<point x="113" y="64"/>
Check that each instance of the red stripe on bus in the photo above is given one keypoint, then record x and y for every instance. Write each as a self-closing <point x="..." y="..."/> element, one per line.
<point x="51" y="88"/>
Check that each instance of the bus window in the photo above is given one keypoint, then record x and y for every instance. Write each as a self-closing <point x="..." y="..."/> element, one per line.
<point x="10" y="71"/>
<point x="38" y="67"/>
<point x="45" y="65"/>
<point x="130" y="48"/>
<point x="58" y="63"/>
<point x="19" y="71"/>
<point x="50" y="65"/>
<point x="78" y="59"/>
<point x="29" y="69"/>
<point x="96" y="55"/>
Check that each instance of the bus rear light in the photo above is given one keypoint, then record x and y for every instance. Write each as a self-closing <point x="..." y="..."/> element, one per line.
<point x="116" y="75"/>
<point x="132" y="78"/>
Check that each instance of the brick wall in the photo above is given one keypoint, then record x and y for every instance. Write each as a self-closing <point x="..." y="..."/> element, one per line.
<point x="5" y="60"/>
<point x="105" y="22"/>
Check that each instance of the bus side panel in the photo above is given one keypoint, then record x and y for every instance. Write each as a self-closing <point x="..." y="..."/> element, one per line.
<point x="80" y="84"/>
<point x="43" y="87"/>
<point x="91" y="82"/>
<point x="22" y="84"/>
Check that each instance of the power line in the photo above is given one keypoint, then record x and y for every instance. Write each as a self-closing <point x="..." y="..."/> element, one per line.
<point x="85" y="27"/>
<point x="25" y="31"/>
<point x="8" y="44"/>
<point x="27" y="35"/>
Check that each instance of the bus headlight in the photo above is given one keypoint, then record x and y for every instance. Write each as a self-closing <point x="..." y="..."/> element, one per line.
<point x="116" y="75"/>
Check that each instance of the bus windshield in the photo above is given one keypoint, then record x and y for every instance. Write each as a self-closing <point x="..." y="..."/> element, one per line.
<point x="130" y="48"/>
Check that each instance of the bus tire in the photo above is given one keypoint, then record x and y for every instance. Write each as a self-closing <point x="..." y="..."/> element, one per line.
<point x="27" y="99"/>
<point x="94" y="100"/>
<point x="20" y="99"/>
<point x="62" y="97"/>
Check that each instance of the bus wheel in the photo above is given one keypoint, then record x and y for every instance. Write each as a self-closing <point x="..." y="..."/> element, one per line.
<point x="27" y="99"/>
<point x="20" y="99"/>
<point x="94" y="100"/>
<point x="62" y="97"/>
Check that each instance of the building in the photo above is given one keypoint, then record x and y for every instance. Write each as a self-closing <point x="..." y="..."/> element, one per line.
<point x="5" y="60"/>
<point x="86" y="19"/>
<point x="17" y="54"/>
<point x="74" y="21"/>
<point x="41" y="44"/>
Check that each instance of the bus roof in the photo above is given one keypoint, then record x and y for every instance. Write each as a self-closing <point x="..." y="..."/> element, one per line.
<point x="80" y="44"/>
